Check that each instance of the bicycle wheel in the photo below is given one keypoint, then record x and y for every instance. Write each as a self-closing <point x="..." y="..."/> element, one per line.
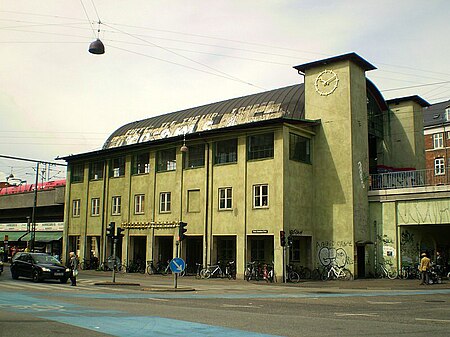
<point x="293" y="277"/>
<point x="203" y="273"/>
<point x="83" y="265"/>
<point x="325" y="275"/>
<point x="392" y="274"/>
<point x="305" y="273"/>
<point x="247" y="275"/>
<point x="316" y="275"/>
<point x="347" y="274"/>
<point x="208" y="273"/>
<point x="150" y="270"/>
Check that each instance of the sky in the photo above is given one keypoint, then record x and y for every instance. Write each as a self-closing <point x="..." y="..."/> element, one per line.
<point x="57" y="99"/>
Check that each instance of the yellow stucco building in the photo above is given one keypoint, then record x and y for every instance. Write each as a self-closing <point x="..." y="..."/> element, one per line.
<point x="295" y="159"/>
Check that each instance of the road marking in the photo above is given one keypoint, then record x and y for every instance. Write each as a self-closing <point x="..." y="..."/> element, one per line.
<point x="241" y="306"/>
<point x="158" y="299"/>
<point x="352" y="314"/>
<point x="372" y="302"/>
<point x="433" y="320"/>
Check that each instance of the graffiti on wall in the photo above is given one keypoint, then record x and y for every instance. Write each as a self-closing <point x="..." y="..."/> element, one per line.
<point x="436" y="212"/>
<point x="409" y="247"/>
<point x="334" y="253"/>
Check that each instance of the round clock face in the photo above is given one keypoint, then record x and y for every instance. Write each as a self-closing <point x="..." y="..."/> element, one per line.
<point x="326" y="82"/>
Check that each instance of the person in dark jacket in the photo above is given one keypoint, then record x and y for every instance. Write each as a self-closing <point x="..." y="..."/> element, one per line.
<point x="73" y="265"/>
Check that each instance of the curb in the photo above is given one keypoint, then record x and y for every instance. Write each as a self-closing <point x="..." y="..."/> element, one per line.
<point x="117" y="284"/>
<point x="164" y="289"/>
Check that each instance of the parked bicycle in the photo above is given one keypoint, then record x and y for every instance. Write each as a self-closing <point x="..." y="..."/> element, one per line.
<point x="304" y="273"/>
<point x="137" y="266"/>
<point x="89" y="264"/>
<point x="291" y="274"/>
<point x="337" y="273"/>
<point x="251" y="271"/>
<point x="386" y="270"/>
<point x="198" y="273"/>
<point x="217" y="271"/>
<point x="160" y="268"/>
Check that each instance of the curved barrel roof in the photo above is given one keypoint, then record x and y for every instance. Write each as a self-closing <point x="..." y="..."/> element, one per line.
<point x="287" y="102"/>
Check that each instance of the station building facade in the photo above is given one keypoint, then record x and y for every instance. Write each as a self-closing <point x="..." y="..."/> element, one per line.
<point x="238" y="172"/>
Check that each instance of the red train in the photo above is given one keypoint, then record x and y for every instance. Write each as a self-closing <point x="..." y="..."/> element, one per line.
<point x="30" y="187"/>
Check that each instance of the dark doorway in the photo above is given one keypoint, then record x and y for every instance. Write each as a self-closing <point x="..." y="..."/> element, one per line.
<point x="361" y="260"/>
<point x="194" y="252"/>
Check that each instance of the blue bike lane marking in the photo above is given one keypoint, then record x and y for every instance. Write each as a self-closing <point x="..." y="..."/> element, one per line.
<point x="121" y="324"/>
<point x="112" y="322"/>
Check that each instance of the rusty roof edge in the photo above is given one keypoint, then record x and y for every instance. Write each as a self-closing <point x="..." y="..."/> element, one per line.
<point x="136" y="146"/>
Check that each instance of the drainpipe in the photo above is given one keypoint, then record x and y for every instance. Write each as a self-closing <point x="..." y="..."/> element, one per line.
<point x="205" y="255"/>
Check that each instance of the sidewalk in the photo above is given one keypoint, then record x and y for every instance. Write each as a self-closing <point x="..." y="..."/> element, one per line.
<point x="190" y="281"/>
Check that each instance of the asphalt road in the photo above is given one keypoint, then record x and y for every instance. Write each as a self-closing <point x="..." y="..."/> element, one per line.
<point x="221" y="308"/>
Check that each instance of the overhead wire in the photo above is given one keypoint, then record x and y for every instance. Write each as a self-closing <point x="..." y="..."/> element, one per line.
<point x="225" y="75"/>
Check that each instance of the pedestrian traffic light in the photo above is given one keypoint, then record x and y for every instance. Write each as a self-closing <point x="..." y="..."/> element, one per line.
<point x="119" y="232"/>
<point x="110" y="230"/>
<point x="282" y="238"/>
<point x="181" y="230"/>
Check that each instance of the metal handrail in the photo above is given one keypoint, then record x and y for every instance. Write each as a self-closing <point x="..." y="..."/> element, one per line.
<point x="409" y="179"/>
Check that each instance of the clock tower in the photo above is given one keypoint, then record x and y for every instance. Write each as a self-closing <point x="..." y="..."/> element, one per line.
<point x="335" y="94"/>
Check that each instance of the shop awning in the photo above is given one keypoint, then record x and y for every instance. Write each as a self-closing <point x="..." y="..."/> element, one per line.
<point x="40" y="236"/>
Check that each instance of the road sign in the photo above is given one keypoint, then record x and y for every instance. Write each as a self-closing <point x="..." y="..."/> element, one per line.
<point x="177" y="265"/>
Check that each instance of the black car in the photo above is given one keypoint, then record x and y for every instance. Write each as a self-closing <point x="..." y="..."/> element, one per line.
<point x="38" y="267"/>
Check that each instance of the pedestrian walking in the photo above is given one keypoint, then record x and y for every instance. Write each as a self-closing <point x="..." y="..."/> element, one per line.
<point x="73" y="264"/>
<point x="424" y="268"/>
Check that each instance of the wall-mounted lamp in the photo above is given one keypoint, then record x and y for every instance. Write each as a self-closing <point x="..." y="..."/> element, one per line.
<point x="184" y="148"/>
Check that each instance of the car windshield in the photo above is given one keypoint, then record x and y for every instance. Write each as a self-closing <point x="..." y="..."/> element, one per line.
<point x="45" y="259"/>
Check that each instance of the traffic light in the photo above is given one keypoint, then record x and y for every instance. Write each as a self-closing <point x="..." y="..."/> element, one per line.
<point x="110" y="230"/>
<point x="181" y="230"/>
<point x="119" y="232"/>
<point x="282" y="238"/>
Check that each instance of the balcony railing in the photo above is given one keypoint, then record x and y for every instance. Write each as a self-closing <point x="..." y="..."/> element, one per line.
<point x="408" y="179"/>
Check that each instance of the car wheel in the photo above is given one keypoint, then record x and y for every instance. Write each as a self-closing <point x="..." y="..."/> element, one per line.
<point x="14" y="275"/>
<point x="36" y="276"/>
<point x="63" y="280"/>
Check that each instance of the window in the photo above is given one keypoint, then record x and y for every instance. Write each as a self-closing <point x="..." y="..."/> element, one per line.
<point x="77" y="173"/>
<point x="141" y="163"/>
<point x="225" y="198"/>
<point x="166" y="160"/>
<point x="299" y="148"/>
<point x="164" y="202"/>
<point x="260" y="146"/>
<point x="96" y="170"/>
<point x="116" y="205"/>
<point x="117" y="168"/>
<point x="438" y="141"/>
<point x="195" y="157"/>
<point x="95" y="206"/>
<point x="225" y="151"/>
<point x="76" y="207"/>
<point x="139" y="204"/>
<point x="439" y="166"/>
<point x="261" y="196"/>
<point x="447" y="114"/>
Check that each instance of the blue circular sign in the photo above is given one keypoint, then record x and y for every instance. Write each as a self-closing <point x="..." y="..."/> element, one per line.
<point x="177" y="265"/>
